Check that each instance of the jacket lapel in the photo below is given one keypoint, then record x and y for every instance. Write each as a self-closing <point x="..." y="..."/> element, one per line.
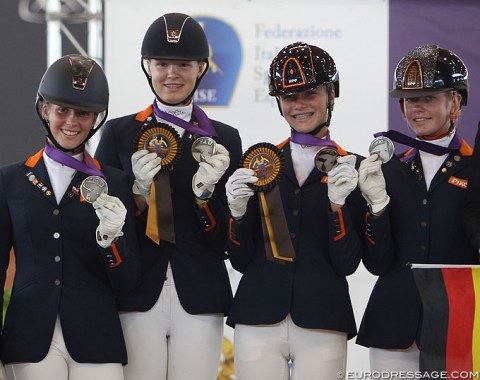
<point x="36" y="173"/>
<point x="289" y="172"/>
<point x="454" y="163"/>
<point x="414" y="170"/>
<point x="73" y="189"/>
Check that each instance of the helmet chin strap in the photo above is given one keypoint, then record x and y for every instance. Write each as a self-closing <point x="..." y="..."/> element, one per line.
<point x="184" y="101"/>
<point x="326" y="123"/>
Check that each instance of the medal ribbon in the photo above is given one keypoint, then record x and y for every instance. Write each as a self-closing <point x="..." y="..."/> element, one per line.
<point x="87" y="167"/>
<point x="306" y="139"/>
<point x="205" y="125"/>
<point x="278" y="245"/>
<point x="160" y="212"/>
<point x="420" y="144"/>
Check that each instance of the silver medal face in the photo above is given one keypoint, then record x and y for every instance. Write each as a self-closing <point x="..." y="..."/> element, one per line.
<point x="92" y="187"/>
<point x="383" y="147"/>
<point x="326" y="159"/>
<point x="203" y="147"/>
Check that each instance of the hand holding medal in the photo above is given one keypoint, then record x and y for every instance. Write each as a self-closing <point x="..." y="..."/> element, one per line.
<point x="213" y="160"/>
<point x="370" y="176"/>
<point x="110" y="210"/>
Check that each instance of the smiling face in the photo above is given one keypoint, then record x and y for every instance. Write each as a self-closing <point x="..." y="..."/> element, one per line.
<point x="173" y="81"/>
<point x="429" y="116"/>
<point x="69" y="127"/>
<point x="306" y="110"/>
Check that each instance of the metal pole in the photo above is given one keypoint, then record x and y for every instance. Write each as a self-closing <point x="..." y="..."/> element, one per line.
<point x="95" y="31"/>
<point x="95" y="51"/>
<point x="54" y="35"/>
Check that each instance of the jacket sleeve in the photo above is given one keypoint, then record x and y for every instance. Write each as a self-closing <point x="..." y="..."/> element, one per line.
<point x="122" y="257"/>
<point x="213" y="216"/>
<point x="6" y="237"/>
<point x="472" y="208"/>
<point x="379" y="251"/>
<point x="345" y="229"/>
<point x="242" y="235"/>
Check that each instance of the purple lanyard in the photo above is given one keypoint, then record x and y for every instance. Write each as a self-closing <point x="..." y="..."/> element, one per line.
<point x="59" y="156"/>
<point x="305" y="139"/>
<point x="205" y="125"/>
<point x="425" y="146"/>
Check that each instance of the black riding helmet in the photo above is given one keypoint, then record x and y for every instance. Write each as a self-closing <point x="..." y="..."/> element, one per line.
<point x="429" y="69"/>
<point x="74" y="81"/>
<point x="300" y="67"/>
<point x="175" y="36"/>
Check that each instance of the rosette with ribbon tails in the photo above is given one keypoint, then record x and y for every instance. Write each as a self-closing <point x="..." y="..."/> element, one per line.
<point x="163" y="140"/>
<point x="267" y="161"/>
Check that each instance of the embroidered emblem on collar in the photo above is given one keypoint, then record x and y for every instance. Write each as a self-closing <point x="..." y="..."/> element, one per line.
<point x="34" y="180"/>
<point x="176" y="113"/>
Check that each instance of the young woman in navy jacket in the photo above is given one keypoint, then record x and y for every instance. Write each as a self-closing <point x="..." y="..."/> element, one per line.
<point x="69" y="220"/>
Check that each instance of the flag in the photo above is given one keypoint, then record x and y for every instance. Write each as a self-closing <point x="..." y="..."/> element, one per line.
<point x="450" y="331"/>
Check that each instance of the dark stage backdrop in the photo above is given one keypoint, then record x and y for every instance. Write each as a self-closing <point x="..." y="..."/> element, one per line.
<point x="23" y="56"/>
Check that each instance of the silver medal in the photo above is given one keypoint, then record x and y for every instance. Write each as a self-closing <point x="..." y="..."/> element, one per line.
<point x="383" y="147"/>
<point x="92" y="187"/>
<point x="326" y="159"/>
<point x="203" y="147"/>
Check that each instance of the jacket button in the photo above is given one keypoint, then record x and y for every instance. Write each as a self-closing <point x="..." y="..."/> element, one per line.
<point x="293" y="235"/>
<point x="57" y="259"/>
<point x="424" y="202"/>
<point x="57" y="282"/>
<point x="296" y="191"/>
<point x="295" y="212"/>
<point x="423" y="223"/>
<point x="56" y="211"/>
<point x="56" y="235"/>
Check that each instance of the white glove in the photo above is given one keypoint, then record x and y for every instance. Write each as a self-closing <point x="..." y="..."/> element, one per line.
<point x="342" y="179"/>
<point x="238" y="192"/>
<point x="145" y="166"/>
<point x="372" y="183"/>
<point x="209" y="172"/>
<point x="111" y="212"/>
